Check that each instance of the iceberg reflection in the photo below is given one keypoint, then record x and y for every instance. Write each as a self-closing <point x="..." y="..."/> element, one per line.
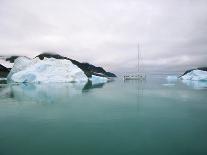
<point x="46" y="92"/>
<point x="90" y="85"/>
<point x="196" y="84"/>
<point x="49" y="93"/>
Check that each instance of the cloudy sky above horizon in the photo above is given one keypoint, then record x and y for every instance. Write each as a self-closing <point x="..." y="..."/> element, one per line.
<point x="171" y="33"/>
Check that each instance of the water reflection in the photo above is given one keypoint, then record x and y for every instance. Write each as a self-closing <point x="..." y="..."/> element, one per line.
<point x="172" y="81"/>
<point x="3" y="81"/>
<point x="45" y="92"/>
<point x="90" y="85"/>
<point x="196" y="84"/>
<point x="139" y="86"/>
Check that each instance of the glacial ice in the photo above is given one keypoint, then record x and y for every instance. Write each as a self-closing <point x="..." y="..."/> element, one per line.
<point x="46" y="70"/>
<point x="172" y="78"/>
<point x="98" y="80"/>
<point x="20" y="64"/>
<point x="195" y="75"/>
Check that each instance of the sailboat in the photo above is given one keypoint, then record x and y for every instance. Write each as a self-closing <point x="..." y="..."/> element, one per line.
<point x="138" y="75"/>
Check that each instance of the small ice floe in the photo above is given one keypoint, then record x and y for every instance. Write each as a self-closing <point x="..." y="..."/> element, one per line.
<point x="169" y="84"/>
<point x="172" y="78"/>
<point x="195" y="75"/>
<point x="3" y="79"/>
<point x="48" y="70"/>
<point x="98" y="80"/>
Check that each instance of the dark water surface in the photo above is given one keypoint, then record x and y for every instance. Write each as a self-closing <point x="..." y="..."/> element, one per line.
<point x="155" y="117"/>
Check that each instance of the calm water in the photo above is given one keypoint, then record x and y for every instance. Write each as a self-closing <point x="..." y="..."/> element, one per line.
<point x="155" y="117"/>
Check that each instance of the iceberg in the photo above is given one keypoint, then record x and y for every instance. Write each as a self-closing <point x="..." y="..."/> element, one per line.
<point x="20" y="64"/>
<point x="87" y="68"/>
<point x="26" y="70"/>
<point x="98" y="80"/>
<point x="195" y="75"/>
<point x="172" y="78"/>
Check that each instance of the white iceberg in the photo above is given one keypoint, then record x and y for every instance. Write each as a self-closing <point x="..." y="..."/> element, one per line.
<point x="46" y="70"/>
<point x="98" y="80"/>
<point x="20" y="64"/>
<point x="195" y="75"/>
<point x="172" y="78"/>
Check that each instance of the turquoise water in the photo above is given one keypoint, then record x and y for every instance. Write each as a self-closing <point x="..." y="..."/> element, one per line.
<point x="155" y="117"/>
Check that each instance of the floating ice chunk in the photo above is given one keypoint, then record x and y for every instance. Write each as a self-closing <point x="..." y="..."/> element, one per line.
<point x="195" y="75"/>
<point x="3" y="79"/>
<point x="98" y="79"/>
<point x="168" y="84"/>
<point x="172" y="78"/>
<point x="47" y="70"/>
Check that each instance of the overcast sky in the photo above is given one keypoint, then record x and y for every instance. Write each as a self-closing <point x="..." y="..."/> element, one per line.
<point x="172" y="33"/>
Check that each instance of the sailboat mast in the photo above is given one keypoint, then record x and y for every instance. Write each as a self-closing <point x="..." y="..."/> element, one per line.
<point x="138" y="54"/>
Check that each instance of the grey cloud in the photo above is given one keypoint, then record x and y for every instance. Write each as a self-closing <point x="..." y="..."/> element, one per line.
<point x="172" y="33"/>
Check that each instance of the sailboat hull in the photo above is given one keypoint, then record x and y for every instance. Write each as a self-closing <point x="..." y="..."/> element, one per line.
<point x="135" y="77"/>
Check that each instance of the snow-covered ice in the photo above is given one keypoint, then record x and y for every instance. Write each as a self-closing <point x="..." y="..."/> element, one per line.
<point x="47" y="70"/>
<point x="5" y="63"/>
<point x="98" y="79"/>
<point x="195" y="75"/>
